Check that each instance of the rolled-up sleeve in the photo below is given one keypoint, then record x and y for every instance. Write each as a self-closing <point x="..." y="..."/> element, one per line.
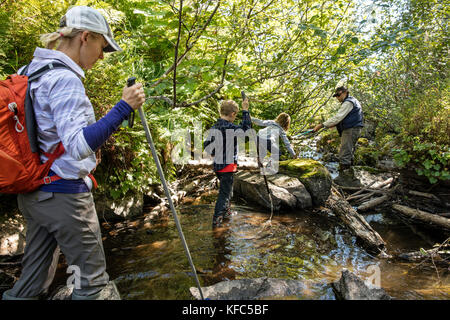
<point x="72" y="111"/>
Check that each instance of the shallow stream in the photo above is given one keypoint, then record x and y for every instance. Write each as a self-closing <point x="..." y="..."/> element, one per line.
<point x="306" y="246"/>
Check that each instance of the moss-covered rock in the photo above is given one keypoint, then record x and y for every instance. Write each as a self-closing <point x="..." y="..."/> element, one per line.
<point x="314" y="176"/>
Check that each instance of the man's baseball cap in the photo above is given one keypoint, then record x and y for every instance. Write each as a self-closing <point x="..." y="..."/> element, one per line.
<point x="339" y="91"/>
<point x="87" y="18"/>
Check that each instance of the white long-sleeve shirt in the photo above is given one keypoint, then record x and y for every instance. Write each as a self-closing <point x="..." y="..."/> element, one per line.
<point x="62" y="110"/>
<point x="343" y="111"/>
<point x="272" y="132"/>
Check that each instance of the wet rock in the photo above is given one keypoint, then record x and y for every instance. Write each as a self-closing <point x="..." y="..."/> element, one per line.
<point x="250" y="289"/>
<point x="350" y="287"/>
<point x="287" y="192"/>
<point x="110" y="292"/>
<point x="120" y="209"/>
<point x="313" y="175"/>
<point x="294" y="187"/>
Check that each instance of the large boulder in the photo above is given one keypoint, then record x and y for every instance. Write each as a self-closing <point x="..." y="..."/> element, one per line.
<point x="286" y="192"/>
<point x="312" y="174"/>
<point x="350" y="287"/>
<point x="250" y="289"/>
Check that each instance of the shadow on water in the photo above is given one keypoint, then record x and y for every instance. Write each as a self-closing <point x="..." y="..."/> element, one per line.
<point x="305" y="246"/>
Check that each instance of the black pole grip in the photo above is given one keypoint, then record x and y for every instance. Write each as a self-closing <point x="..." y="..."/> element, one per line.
<point x="130" y="82"/>
<point x="243" y="95"/>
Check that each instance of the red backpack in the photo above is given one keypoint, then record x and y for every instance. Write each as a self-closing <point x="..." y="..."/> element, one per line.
<point x="21" y="170"/>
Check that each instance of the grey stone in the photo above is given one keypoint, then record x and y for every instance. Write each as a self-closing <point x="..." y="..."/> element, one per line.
<point x="287" y="192"/>
<point x="350" y="287"/>
<point x="295" y="187"/>
<point x="250" y="289"/>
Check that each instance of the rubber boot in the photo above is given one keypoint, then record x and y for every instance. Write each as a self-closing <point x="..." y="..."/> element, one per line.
<point x="347" y="177"/>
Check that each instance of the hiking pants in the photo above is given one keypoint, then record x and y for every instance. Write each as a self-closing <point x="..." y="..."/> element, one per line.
<point x="225" y="193"/>
<point x="60" y="221"/>
<point x="349" y="138"/>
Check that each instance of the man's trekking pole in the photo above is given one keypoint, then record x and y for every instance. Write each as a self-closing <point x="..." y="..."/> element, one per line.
<point x="261" y="166"/>
<point x="131" y="82"/>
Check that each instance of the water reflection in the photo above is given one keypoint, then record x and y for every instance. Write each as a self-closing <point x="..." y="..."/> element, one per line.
<point x="303" y="246"/>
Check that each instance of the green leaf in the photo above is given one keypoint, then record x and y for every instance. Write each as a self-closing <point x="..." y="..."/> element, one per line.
<point x="340" y="50"/>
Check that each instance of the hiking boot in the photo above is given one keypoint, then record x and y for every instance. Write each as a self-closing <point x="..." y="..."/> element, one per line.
<point x="217" y="222"/>
<point x="347" y="178"/>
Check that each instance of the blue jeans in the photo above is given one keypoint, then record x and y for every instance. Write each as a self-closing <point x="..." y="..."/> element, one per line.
<point x="225" y="193"/>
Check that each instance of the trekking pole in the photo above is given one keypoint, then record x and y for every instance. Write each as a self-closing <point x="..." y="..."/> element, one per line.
<point x="131" y="82"/>
<point x="261" y="166"/>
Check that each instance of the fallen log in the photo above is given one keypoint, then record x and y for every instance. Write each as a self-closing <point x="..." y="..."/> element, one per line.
<point x="364" y="197"/>
<point x="382" y="184"/>
<point x="423" y="194"/>
<point x="438" y="256"/>
<point x="370" y="239"/>
<point x="423" y="216"/>
<point x="372" y="203"/>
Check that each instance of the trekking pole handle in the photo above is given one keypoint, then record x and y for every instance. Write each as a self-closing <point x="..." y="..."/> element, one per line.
<point x="243" y="95"/>
<point x="130" y="82"/>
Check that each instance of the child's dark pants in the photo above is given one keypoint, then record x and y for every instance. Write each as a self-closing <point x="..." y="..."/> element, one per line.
<point x="225" y="193"/>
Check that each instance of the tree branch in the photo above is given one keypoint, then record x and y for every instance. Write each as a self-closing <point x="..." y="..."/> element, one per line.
<point x="188" y="48"/>
<point x="176" y="54"/>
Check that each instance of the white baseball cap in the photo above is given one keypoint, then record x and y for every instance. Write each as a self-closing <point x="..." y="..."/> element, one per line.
<point x="87" y="18"/>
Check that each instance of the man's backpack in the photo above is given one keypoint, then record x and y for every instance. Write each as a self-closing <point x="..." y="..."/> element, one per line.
<point x="21" y="170"/>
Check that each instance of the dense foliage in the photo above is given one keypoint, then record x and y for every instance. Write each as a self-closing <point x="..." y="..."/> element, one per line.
<point x="287" y="55"/>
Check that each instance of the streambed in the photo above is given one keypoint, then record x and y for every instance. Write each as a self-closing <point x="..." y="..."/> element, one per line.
<point x="149" y="263"/>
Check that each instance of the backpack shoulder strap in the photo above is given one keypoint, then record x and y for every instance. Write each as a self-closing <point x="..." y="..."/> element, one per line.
<point x="30" y="118"/>
<point x="40" y="72"/>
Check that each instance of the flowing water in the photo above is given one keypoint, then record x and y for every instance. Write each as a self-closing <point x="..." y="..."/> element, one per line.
<point x="150" y="262"/>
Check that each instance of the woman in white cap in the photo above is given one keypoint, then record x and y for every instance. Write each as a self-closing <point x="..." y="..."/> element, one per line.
<point x="61" y="213"/>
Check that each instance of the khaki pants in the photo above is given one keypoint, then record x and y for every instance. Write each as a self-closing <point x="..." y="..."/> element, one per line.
<point x="349" y="138"/>
<point x="68" y="222"/>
